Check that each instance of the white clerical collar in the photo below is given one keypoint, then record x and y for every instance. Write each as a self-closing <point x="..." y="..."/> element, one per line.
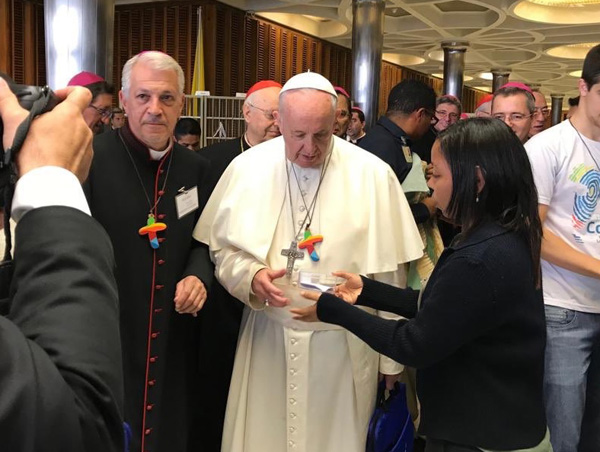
<point x="157" y="155"/>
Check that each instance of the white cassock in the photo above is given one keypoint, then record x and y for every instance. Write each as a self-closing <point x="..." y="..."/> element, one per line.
<point x="304" y="387"/>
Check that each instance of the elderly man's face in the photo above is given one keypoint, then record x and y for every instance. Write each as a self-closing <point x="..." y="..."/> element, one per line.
<point x="306" y="123"/>
<point x="153" y="105"/>
<point x="342" y="117"/>
<point x="514" y="112"/>
<point x="259" y="117"/>
<point x="538" y="122"/>
<point x="447" y="114"/>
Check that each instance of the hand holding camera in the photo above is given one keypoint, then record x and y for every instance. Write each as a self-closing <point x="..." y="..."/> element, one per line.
<point x="58" y="138"/>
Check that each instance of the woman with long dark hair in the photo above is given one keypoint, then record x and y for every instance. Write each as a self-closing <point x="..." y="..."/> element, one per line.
<point x="476" y="334"/>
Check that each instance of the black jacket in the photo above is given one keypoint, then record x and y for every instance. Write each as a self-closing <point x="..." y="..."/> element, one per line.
<point x="61" y="383"/>
<point x="385" y="140"/>
<point x="477" y="341"/>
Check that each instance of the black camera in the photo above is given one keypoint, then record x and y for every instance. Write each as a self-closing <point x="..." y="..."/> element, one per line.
<point x="33" y="98"/>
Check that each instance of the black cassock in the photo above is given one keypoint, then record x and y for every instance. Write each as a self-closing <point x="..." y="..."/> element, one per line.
<point x="160" y="346"/>
<point x="221" y="318"/>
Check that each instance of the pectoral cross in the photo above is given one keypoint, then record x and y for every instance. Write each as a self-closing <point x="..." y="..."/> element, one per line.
<point x="292" y="254"/>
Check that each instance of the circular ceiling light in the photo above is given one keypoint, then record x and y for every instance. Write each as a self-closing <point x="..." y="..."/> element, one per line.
<point x="559" y="11"/>
<point x="573" y="51"/>
<point x="466" y="78"/>
<point x="575" y="74"/>
<point x="565" y="2"/>
<point x="403" y="59"/>
<point x="485" y="76"/>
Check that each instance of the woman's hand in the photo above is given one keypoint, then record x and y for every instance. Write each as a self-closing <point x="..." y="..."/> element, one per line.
<point x="308" y="314"/>
<point x="349" y="290"/>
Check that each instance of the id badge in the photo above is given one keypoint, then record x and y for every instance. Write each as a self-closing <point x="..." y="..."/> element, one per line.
<point x="186" y="201"/>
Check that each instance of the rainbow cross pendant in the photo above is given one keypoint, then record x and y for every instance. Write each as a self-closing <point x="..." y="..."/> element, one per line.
<point x="309" y="243"/>
<point x="151" y="228"/>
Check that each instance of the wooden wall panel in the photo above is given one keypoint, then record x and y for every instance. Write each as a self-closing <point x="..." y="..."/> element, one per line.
<point x="239" y="48"/>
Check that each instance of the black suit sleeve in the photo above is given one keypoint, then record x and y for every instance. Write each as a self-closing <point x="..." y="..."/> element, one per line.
<point x="60" y="373"/>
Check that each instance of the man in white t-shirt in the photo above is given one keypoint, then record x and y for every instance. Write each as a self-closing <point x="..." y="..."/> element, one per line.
<point x="565" y="161"/>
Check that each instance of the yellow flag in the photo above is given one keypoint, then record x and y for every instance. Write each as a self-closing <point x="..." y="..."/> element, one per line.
<point x="198" y="79"/>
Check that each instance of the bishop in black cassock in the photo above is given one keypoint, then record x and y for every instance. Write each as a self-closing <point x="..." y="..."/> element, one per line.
<point x="160" y="347"/>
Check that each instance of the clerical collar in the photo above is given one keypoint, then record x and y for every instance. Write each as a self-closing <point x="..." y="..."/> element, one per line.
<point x="137" y="146"/>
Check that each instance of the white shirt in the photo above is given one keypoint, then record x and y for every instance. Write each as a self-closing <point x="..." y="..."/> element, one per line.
<point x="567" y="177"/>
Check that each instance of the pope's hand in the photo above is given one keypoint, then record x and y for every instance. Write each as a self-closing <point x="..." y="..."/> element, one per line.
<point x="190" y="295"/>
<point x="349" y="290"/>
<point x="265" y="290"/>
<point x="57" y="138"/>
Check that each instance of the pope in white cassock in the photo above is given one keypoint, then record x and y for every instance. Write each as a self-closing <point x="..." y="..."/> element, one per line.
<point x="288" y="212"/>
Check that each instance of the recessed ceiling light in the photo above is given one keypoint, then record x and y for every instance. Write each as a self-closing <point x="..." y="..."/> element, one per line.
<point x="485" y="76"/>
<point x="565" y="2"/>
<point x="466" y="78"/>
<point x="573" y="51"/>
<point x="575" y="74"/>
<point x="559" y="11"/>
<point x="402" y="59"/>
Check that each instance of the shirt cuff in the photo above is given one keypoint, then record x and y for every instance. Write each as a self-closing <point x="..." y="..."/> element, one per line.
<point x="48" y="186"/>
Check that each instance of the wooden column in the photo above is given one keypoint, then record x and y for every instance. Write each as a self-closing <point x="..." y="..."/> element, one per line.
<point x="5" y="37"/>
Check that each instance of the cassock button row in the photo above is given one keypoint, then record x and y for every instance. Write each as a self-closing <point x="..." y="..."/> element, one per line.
<point x="155" y="335"/>
<point x="293" y="355"/>
<point x="161" y="216"/>
<point x="159" y="286"/>
<point x="302" y="208"/>
<point x="293" y="341"/>
<point x="292" y="401"/>
<point x="161" y="239"/>
<point x="292" y="429"/>
<point x="149" y="407"/>
<point x="147" y="431"/>
<point x="161" y="192"/>
<point x="293" y="371"/>
<point x="161" y="261"/>
<point x="157" y="310"/>
<point x="292" y="415"/>
<point x="291" y="443"/>
<point x="151" y="382"/>
<point x="153" y="359"/>
<point x="293" y="386"/>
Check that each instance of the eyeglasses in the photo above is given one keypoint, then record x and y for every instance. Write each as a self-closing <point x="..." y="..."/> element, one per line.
<point x="267" y="113"/>
<point x="512" y="117"/>
<point x="444" y="113"/>
<point x="545" y="111"/>
<point x="103" y="112"/>
<point x="434" y="118"/>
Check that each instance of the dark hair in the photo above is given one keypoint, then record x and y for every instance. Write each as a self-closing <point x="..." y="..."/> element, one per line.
<point x="509" y="197"/>
<point x="449" y="99"/>
<point x="359" y="112"/>
<point x="187" y="126"/>
<point x="573" y="101"/>
<point x="508" y="91"/>
<point x="591" y="67"/>
<point x="117" y="111"/>
<point x="410" y="95"/>
<point x="98" y="88"/>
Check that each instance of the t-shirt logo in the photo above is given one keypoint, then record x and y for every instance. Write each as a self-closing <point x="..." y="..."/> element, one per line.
<point x="586" y="199"/>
